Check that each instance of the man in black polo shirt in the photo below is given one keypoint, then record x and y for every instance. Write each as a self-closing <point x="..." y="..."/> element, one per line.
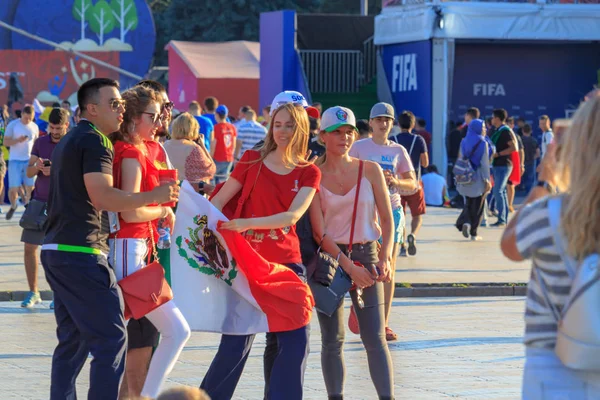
<point x="88" y="304"/>
<point x="503" y="139"/>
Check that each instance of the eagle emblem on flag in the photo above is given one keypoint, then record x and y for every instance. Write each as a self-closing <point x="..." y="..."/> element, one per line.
<point x="208" y="255"/>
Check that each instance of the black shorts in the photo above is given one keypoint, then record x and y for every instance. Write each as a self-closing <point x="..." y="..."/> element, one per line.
<point x="141" y="333"/>
<point x="31" y="236"/>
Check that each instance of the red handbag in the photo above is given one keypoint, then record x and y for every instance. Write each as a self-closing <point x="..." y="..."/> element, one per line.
<point x="146" y="289"/>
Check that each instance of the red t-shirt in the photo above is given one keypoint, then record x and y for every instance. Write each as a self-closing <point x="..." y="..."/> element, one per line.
<point x="225" y="134"/>
<point x="155" y="160"/>
<point x="425" y="135"/>
<point x="273" y="194"/>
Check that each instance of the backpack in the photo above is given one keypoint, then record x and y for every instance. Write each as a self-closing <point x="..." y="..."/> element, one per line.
<point x="463" y="170"/>
<point x="578" y="323"/>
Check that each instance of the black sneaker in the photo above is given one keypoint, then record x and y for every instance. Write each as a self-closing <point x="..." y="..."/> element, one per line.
<point x="465" y="230"/>
<point x="498" y="225"/>
<point x="10" y="213"/>
<point x="412" y="249"/>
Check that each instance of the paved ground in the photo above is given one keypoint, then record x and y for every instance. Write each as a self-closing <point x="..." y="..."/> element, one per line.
<point x="468" y="348"/>
<point x="444" y="256"/>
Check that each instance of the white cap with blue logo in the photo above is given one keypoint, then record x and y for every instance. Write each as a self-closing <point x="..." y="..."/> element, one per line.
<point x="288" y="96"/>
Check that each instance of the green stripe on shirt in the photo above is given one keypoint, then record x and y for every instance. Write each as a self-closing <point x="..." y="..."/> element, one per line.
<point x="73" y="249"/>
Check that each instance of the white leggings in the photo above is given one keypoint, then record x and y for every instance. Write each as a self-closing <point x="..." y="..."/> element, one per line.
<point x="130" y="256"/>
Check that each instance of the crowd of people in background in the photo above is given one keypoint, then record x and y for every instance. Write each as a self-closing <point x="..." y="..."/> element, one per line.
<point x="334" y="160"/>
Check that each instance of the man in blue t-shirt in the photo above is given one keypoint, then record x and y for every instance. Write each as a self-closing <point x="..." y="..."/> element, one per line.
<point x="206" y="126"/>
<point x="417" y="150"/>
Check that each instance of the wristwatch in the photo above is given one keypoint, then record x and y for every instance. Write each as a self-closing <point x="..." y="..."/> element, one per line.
<point x="545" y="185"/>
<point x="201" y="188"/>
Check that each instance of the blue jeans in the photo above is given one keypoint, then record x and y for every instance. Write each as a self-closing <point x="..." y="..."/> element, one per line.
<point x="223" y="170"/>
<point x="501" y="174"/>
<point x="287" y="351"/>
<point x="528" y="178"/>
<point x="88" y="307"/>
<point x="284" y="361"/>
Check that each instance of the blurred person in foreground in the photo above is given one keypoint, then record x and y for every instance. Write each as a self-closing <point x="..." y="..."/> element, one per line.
<point x="557" y="228"/>
<point x="184" y="393"/>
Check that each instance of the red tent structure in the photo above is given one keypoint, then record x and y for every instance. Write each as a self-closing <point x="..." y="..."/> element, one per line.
<point x="228" y="70"/>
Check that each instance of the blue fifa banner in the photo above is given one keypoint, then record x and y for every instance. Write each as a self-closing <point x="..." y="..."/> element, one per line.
<point x="528" y="80"/>
<point x="408" y="72"/>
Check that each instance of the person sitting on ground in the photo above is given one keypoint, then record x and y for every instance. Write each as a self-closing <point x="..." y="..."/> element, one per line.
<point x="434" y="186"/>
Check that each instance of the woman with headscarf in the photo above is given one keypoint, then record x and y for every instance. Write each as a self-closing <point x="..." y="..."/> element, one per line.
<point x="476" y="149"/>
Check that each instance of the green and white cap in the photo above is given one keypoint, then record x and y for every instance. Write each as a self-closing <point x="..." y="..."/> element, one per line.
<point x="336" y="117"/>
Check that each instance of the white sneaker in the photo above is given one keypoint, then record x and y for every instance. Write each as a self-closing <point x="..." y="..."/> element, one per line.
<point x="476" y="238"/>
<point x="465" y="230"/>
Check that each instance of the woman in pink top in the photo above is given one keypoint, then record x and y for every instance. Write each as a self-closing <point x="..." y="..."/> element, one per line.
<point x="192" y="161"/>
<point x="330" y="215"/>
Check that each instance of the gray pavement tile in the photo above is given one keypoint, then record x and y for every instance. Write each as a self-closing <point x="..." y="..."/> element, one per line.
<point x="448" y="348"/>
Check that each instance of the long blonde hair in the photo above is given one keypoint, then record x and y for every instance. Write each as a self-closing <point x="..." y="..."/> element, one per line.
<point x="578" y="154"/>
<point x="295" y="152"/>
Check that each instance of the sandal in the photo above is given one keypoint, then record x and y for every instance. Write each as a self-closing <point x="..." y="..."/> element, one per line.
<point x="390" y="335"/>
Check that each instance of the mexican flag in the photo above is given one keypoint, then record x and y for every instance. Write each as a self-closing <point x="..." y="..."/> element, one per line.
<point x="222" y="285"/>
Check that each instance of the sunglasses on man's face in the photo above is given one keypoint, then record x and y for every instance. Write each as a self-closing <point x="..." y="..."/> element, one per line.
<point x="115" y="104"/>
<point x="168" y="106"/>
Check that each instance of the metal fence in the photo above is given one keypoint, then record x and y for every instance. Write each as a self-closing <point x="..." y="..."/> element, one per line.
<point x="333" y="71"/>
<point x="370" y="60"/>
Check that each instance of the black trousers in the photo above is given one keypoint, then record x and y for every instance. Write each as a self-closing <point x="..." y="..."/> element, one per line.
<point x="88" y="307"/>
<point x="471" y="214"/>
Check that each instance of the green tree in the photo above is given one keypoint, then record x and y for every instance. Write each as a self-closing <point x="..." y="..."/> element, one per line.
<point x="216" y="20"/>
<point x="101" y="20"/>
<point x="80" y="10"/>
<point x="125" y="13"/>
